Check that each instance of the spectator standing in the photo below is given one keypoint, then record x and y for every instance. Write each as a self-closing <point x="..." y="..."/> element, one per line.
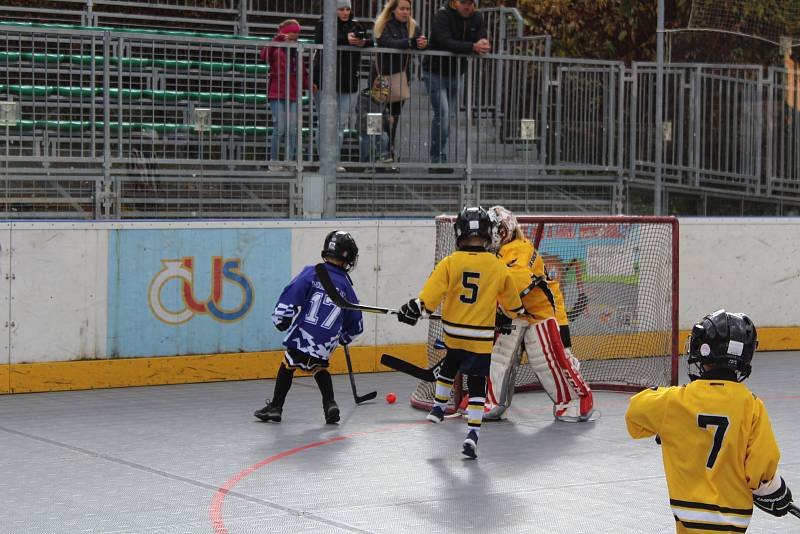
<point x="282" y="91"/>
<point x="459" y="28"/>
<point x="348" y="33"/>
<point x="395" y="27"/>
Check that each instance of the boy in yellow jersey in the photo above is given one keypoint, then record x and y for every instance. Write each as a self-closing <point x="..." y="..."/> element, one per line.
<point x="543" y="332"/>
<point x="720" y="455"/>
<point x="471" y="281"/>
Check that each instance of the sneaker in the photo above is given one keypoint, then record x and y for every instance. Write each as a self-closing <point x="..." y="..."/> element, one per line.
<point x="331" y="411"/>
<point x="270" y="412"/>
<point x="275" y="168"/>
<point x="436" y="415"/>
<point x="340" y="169"/>
<point x="470" y="447"/>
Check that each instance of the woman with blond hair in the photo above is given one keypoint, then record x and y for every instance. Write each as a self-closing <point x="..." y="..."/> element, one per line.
<point x="396" y="28"/>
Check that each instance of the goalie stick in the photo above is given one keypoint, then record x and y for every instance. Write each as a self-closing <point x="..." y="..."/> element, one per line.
<point x="794" y="510"/>
<point x="364" y="398"/>
<point x="339" y="300"/>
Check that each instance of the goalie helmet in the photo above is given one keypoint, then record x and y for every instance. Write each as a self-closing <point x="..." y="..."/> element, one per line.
<point x="505" y="226"/>
<point x="341" y="245"/>
<point x="473" y="222"/>
<point x="724" y="340"/>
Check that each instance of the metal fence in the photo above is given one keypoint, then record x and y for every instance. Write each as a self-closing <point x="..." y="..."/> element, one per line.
<point x="105" y="124"/>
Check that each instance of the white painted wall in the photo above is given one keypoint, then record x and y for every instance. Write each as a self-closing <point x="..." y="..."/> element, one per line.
<point x="59" y="292"/>
<point x="58" y="297"/>
<point x="750" y="265"/>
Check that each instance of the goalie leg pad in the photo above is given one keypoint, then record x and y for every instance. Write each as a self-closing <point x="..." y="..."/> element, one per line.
<point x="541" y="358"/>
<point x="557" y="370"/>
<point x="505" y="358"/>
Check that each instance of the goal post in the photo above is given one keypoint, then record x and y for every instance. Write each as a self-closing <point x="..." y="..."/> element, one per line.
<point x="619" y="277"/>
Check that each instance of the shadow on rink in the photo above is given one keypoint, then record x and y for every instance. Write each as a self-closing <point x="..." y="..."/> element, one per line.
<point x="192" y="458"/>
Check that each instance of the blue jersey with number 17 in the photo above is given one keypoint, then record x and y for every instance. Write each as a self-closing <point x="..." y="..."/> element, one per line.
<point x="318" y="325"/>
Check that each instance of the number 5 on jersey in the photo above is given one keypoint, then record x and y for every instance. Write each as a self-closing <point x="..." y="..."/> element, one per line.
<point x="469" y="285"/>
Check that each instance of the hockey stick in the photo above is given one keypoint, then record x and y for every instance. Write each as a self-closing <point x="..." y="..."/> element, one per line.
<point x="364" y="398"/>
<point x="794" y="510"/>
<point x="428" y="375"/>
<point x="339" y="300"/>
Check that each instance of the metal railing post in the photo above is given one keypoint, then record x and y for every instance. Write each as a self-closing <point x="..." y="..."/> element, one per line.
<point x="88" y="17"/>
<point x="107" y="190"/>
<point x="761" y="85"/>
<point x="620" y="140"/>
<point x="634" y="114"/>
<point x="9" y="116"/>
<point x="328" y="112"/>
<point x="468" y="129"/>
<point x="544" y="103"/>
<point x="657" y="204"/>
<point x="769" y="91"/>
<point x="241" y="24"/>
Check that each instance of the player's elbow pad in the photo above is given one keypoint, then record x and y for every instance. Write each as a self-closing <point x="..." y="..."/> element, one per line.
<point x="774" y="497"/>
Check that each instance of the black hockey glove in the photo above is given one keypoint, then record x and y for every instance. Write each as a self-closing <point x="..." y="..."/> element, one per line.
<point x="502" y="323"/>
<point x="776" y="503"/>
<point x="410" y="312"/>
<point x="284" y="324"/>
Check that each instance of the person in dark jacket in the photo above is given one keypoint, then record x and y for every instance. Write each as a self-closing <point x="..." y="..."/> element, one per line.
<point x="396" y="28"/>
<point x="459" y="28"/>
<point x="348" y="33"/>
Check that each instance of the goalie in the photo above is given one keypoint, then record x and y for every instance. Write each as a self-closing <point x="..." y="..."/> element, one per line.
<point x="543" y="333"/>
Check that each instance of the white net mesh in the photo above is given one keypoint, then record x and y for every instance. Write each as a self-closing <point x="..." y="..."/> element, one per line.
<point x="766" y="19"/>
<point x="616" y="274"/>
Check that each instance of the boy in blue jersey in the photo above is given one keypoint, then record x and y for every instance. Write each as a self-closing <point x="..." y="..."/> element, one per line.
<point x="314" y="325"/>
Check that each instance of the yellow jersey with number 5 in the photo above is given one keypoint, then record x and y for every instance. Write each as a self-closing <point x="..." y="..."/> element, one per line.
<point x="717" y="445"/>
<point x="471" y="281"/>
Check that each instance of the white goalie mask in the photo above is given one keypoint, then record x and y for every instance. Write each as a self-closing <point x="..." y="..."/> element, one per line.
<point x="504" y="226"/>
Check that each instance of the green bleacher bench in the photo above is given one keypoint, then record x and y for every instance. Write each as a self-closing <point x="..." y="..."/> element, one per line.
<point x="209" y="66"/>
<point x="142" y="31"/>
<point x="154" y="126"/>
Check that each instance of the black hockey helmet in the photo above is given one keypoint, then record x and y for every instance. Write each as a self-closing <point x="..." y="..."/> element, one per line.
<point x="340" y="244"/>
<point x="724" y="340"/>
<point x="473" y="222"/>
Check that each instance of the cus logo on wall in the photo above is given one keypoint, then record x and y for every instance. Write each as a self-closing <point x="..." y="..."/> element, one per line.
<point x="183" y="269"/>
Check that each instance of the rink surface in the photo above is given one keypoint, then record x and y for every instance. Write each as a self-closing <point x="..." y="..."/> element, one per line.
<point x="192" y="458"/>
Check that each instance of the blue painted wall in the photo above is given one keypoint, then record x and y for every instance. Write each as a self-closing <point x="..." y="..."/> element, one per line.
<point x="161" y="300"/>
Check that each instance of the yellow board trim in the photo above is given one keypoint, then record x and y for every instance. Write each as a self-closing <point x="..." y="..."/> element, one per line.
<point x="5" y="379"/>
<point x="126" y="372"/>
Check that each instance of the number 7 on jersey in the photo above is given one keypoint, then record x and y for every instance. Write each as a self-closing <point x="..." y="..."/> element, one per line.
<point x="719" y="421"/>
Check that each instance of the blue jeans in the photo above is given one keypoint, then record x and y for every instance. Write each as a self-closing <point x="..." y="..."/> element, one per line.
<point x="280" y="126"/>
<point x="372" y="145"/>
<point x="443" y="92"/>
<point x="345" y="103"/>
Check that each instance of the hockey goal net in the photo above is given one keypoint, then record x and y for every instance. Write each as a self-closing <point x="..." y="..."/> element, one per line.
<point x="619" y="277"/>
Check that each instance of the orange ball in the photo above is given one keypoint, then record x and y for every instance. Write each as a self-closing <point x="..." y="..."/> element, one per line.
<point x="391" y="398"/>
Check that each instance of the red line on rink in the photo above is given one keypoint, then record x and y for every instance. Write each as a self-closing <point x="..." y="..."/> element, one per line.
<point x="215" y="510"/>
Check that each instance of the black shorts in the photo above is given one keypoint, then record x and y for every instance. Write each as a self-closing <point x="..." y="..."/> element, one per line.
<point x="300" y="360"/>
<point x="471" y="363"/>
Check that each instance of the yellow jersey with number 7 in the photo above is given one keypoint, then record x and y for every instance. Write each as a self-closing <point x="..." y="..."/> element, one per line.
<point x="717" y="445"/>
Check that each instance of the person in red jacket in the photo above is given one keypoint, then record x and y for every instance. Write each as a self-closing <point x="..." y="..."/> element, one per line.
<point x="282" y="91"/>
